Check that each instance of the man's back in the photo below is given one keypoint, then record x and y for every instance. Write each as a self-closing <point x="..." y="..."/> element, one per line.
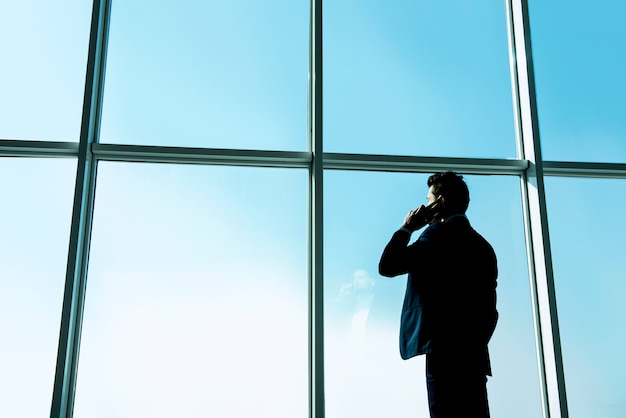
<point x="459" y="291"/>
<point x="449" y="305"/>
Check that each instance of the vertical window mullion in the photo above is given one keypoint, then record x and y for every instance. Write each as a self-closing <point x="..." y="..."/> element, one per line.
<point x="316" y="278"/>
<point x="551" y="373"/>
<point x="78" y="252"/>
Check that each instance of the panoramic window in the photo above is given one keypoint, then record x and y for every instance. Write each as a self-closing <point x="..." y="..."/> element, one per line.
<point x="42" y="76"/>
<point x="418" y="78"/>
<point x="579" y="53"/>
<point x="365" y="375"/>
<point x="207" y="74"/>
<point x="587" y="237"/>
<point x="199" y="276"/>
<point x="34" y="225"/>
<point x="196" y="298"/>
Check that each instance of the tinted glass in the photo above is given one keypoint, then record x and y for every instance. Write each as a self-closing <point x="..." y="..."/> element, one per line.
<point x="196" y="301"/>
<point x="587" y="230"/>
<point x="208" y="74"/>
<point x="365" y="375"/>
<point x="579" y="51"/>
<point x="42" y="76"/>
<point x="35" y="218"/>
<point x="418" y="78"/>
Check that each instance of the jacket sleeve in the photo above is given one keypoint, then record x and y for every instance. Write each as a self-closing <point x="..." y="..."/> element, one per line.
<point x="399" y="257"/>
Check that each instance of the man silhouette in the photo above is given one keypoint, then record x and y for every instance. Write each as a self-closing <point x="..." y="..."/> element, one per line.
<point x="449" y="311"/>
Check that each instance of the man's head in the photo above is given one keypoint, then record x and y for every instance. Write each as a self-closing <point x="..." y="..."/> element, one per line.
<point x="452" y="191"/>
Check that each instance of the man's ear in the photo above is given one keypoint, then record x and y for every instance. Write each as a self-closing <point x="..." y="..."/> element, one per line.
<point x="443" y="203"/>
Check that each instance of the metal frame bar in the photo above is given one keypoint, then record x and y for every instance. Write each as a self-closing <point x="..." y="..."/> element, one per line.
<point x="80" y="234"/>
<point x="587" y="170"/>
<point x="303" y="159"/>
<point x="316" y="210"/>
<point x="529" y="166"/>
<point x="208" y="156"/>
<point x="415" y="164"/>
<point x="17" y="148"/>
<point x="543" y="295"/>
<point x="526" y="211"/>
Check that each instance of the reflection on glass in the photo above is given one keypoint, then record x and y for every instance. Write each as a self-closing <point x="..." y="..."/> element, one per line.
<point x="419" y="78"/>
<point x="587" y="229"/>
<point x="208" y="74"/>
<point x="196" y="301"/>
<point x="579" y="59"/>
<point x="358" y="295"/>
<point x="42" y="76"/>
<point x="365" y="376"/>
<point x="35" y="218"/>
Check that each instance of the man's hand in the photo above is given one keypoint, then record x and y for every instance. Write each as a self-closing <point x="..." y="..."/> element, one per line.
<point x="422" y="216"/>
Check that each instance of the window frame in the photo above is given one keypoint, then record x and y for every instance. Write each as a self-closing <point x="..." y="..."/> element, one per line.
<point x="529" y="167"/>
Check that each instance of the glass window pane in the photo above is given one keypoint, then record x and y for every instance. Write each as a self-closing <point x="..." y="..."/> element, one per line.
<point x="365" y="376"/>
<point x="35" y="218"/>
<point x="208" y="74"/>
<point x="419" y="78"/>
<point x="196" y="302"/>
<point x="579" y="55"/>
<point x="42" y="76"/>
<point x="587" y="230"/>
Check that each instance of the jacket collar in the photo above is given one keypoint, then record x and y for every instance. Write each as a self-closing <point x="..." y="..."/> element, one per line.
<point x="458" y="215"/>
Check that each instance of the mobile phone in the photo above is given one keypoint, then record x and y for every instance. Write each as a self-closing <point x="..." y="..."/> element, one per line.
<point x="433" y="210"/>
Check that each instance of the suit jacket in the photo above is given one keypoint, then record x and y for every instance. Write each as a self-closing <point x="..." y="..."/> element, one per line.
<point x="450" y="301"/>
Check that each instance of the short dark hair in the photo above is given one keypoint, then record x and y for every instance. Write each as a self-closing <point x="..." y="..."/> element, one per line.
<point x="452" y="187"/>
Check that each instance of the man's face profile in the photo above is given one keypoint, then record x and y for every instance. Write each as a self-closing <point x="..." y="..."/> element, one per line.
<point x="430" y="197"/>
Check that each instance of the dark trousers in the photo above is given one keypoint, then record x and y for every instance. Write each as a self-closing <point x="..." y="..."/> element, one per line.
<point x="455" y="390"/>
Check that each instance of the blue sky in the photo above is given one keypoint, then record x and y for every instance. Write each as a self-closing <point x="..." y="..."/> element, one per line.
<point x="185" y="256"/>
<point x="579" y="55"/>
